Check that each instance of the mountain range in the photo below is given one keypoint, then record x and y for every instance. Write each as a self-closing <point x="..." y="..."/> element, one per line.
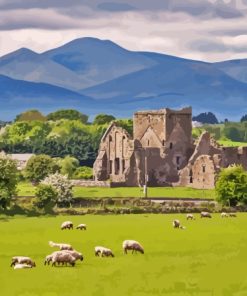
<point x="96" y="76"/>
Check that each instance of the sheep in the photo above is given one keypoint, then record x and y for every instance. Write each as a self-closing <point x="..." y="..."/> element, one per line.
<point x="233" y="215"/>
<point x="63" y="257"/>
<point x="132" y="245"/>
<point x="224" y="215"/>
<point x="102" y="251"/>
<point x="205" y="215"/>
<point x="22" y="266"/>
<point x="82" y="226"/>
<point x="61" y="246"/>
<point x="22" y="260"/>
<point x="176" y="224"/>
<point x="67" y="225"/>
<point x="190" y="217"/>
<point x="75" y="254"/>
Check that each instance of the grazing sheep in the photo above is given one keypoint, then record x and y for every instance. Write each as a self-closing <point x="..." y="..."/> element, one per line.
<point x="63" y="257"/>
<point x="205" y="215"/>
<point x="22" y="266"/>
<point x="61" y="246"/>
<point x="48" y="259"/>
<point x="75" y="254"/>
<point x="176" y="223"/>
<point x="190" y="217"/>
<point x="233" y="215"/>
<point x="103" y="252"/>
<point x="132" y="245"/>
<point x="22" y="260"/>
<point x="82" y="226"/>
<point x="224" y="215"/>
<point x="67" y="225"/>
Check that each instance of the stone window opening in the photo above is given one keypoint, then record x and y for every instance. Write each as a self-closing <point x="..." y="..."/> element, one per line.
<point x="148" y="143"/>
<point x="191" y="176"/>
<point x="171" y="145"/>
<point x="110" y="138"/>
<point x="163" y="143"/>
<point x="123" y="164"/>
<point x="178" y="160"/>
<point x="117" y="166"/>
<point x="203" y="168"/>
<point x="110" y="166"/>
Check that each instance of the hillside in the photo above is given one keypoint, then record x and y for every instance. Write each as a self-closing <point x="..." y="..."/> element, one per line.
<point x="121" y="81"/>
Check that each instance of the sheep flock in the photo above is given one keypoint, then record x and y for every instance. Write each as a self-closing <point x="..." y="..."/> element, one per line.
<point x="67" y="255"/>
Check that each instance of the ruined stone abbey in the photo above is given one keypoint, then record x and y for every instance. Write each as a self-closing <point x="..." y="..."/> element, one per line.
<point x="161" y="152"/>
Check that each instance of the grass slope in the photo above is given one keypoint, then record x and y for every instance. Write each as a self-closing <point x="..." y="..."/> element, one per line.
<point x="208" y="258"/>
<point x="26" y="189"/>
<point x="229" y="143"/>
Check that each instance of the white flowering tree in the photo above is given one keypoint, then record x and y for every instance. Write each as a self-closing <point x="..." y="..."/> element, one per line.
<point x="63" y="187"/>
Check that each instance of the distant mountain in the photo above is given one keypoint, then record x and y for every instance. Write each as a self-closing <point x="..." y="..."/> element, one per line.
<point x="100" y="76"/>
<point x="17" y="96"/>
<point x="96" y="61"/>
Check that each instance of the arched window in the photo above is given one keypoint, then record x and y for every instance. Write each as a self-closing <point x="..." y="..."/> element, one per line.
<point x="163" y="143"/>
<point x="171" y="145"/>
<point x="110" y="138"/>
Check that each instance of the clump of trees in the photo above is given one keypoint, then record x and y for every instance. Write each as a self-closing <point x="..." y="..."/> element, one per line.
<point x="231" y="186"/>
<point x="206" y="117"/>
<point x="30" y="115"/>
<point x="8" y="180"/>
<point x="69" y="114"/>
<point x="40" y="166"/>
<point x="103" y="119"/>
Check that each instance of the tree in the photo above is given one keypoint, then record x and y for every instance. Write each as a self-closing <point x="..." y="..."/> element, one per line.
<point x="83" y="172"/>
<point x="207" y="117"/>
<point x="40" y="166"/>
<point x="8" y="179"/>
<point x="62" y="186"/>
<point x="231" y="186"/>
<point x="103" y="118"/>
<point x="67" y="114"/>
<point x="243" y="118"/>
<point x="30" y="115"/>
<point x="46" y="197"/>
<point x="68" y="165"/>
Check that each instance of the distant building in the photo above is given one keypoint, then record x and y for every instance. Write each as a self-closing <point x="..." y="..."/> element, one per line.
<point x="162" y="153"/>
<point x="21" y="159"/>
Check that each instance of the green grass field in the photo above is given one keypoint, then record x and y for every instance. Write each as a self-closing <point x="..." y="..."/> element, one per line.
<point x="207" y="258"/>
<point x="26" y="189"/>
<point x="229" y="143"/>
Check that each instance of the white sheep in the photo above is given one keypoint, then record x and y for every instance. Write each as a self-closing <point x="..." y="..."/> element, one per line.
<point x="205" y="215"/>
<point x="82" y="226"/>
<point x="102" y="251"/>
<point x="224" y="215"/>
<point x="190" y="217"/>
<point x="22" y="260"/>
<point x="63" y="257"/>
<point x="67" y="225"/>
<point x="75" y="254"/>
<point x="22" y="266"/>
<point x="132" y="245"/>
<point x="61" y="246"/>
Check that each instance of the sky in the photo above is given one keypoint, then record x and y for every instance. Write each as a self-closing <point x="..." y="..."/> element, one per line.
<point x="208" y="30"/>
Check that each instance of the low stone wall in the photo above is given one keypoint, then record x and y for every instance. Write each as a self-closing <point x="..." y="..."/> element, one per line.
<point x="90" y="183"/>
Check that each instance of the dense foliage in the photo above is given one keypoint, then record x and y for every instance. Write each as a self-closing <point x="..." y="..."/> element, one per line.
<point x="46" y="197"/>
<point x="231" y="186"/>
<point x="30" y="115"/>
<point x="83" y="173"/>
<point x="68" y="165"/>
<point x="103" y="118"/>
<point x="234" y="131"/>
<point x="207" y="117"/>
<point x="40" y="166"/>
<point x="8" y="180"/>
<point x="69" y="114"/>
<point x="243" y="118"/>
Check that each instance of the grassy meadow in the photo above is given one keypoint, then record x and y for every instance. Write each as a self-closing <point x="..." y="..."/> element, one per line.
<point x="26" y="189"/>
<point x="207" y="258"/>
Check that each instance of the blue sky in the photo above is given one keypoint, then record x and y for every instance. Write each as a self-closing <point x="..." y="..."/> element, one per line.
<point x="209" y="30"/>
